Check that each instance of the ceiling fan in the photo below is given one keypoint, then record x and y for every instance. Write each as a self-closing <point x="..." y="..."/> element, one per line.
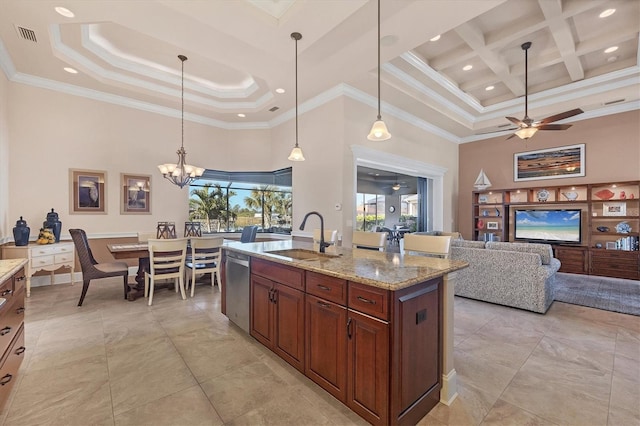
<point x="397" y="185"/>
<point x="527" y="127"/>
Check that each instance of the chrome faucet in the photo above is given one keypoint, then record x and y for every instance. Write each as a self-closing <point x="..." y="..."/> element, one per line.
<point x="322" y="243"/>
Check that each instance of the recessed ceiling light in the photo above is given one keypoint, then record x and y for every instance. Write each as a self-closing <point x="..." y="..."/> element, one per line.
<point x="489" y="88"/>
<point x="71" y="70"/>
<point x="607" y="12"/>
<point x="467" y="67"/>
<point x="241" y="115"/>
<point x="65" y="12"/>
<point x="612" y="58"/>
<point x="611" y="49"/>
<point x="436" y="38"/>
<point x="280" y="90"/>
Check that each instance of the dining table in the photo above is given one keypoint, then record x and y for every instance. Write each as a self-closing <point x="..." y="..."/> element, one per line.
<point x="132" y="251"/>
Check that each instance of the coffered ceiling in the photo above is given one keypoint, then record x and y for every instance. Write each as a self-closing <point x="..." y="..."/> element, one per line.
<point x="240" y="52"/>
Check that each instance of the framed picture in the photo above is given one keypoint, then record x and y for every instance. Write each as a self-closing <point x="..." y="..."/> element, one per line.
<point x="614" y="209"/>
<point x="88" y="191"/>
<point x="492" y="225"/>
<point x="135" y="194"/>
<point x="562" y="162"/>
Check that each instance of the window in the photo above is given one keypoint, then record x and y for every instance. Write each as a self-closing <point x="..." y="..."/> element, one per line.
<point x="229" y="201"/>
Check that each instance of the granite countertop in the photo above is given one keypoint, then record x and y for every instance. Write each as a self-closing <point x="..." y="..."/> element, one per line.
<point x="10" y="266"/>
<point x="391" y="271"/>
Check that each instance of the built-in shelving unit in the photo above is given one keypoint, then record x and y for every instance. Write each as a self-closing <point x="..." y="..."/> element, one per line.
<point x="610" y="223"/>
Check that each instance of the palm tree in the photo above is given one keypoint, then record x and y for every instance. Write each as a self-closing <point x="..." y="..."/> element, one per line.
<point x="268" y="199"/>
<point x="206" y="204"/>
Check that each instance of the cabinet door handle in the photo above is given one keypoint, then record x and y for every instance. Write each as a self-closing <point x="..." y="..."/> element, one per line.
<point x="6" y="379"/>
<point x="363" y="300"/>
<point x="323" y="287"/>
<point x="22" y="278"/>
<point x="20" y="310"/>
<point x="271" y="295"/>
<point x="323" y="304"/>
<point x="5" y="330"/>
<point x="8" y="291"/>
<point x="349" y="328"/>
<point x="20" y="350"/>
<point x="275" y="296"/>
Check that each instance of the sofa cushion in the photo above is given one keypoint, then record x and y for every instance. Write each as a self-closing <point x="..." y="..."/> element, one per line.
<point x="544" y="250"/>
<point x="467" y="244"/>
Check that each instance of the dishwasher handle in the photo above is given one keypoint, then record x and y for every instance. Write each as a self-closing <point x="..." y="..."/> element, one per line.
<point x="238" y="259"/>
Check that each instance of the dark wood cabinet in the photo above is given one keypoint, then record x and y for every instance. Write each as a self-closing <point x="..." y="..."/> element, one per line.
<point x="573" y="259"/>
<point x="277" y="317"/>
<point x="368" y="367"/>
<point x="378" y="351"/>
<point x="615" y="263"/>
<point x="326" y="345"/>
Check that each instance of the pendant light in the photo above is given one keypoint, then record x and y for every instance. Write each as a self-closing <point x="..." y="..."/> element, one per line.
<point x="181" y="173"/>
<point x="379" y="130"/>
<point x="296" y="152"/>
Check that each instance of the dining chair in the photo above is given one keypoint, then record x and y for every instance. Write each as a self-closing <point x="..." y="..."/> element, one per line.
<point x="432" y="245"/>
<point x="249" y="234"/>
<point x="330" y="237"/>
<point x="166" y="230"/>
<point x="204" y="259"/>
<point x="91" y="269"/>
<point x="369" y="240"/>
<point x="166" y="261"/>
<point x="192" y="229"/>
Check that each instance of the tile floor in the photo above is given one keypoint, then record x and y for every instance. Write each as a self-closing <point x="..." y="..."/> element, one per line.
<point x="181" y="363"/>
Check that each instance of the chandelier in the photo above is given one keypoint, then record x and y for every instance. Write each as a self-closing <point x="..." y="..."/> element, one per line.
<point x="181" y="174"/>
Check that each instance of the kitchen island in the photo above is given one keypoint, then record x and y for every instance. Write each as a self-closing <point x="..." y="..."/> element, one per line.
<point x="373" y="329"/>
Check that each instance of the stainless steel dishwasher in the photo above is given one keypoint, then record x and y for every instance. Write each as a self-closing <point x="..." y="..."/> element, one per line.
<point x="237" y="289"/>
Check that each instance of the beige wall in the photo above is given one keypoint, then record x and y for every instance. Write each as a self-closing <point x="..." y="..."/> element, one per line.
<point x="51" y="132"/>
<point x="5" y="229"/>
<point x="612" y="153"/>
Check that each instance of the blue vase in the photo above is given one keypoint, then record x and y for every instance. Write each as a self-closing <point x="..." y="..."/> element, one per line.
<point x="21" y="233"/>
<point x="54" y="224"/>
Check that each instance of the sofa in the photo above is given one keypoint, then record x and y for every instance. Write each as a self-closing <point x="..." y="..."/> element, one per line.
<point x="520" y="275"/>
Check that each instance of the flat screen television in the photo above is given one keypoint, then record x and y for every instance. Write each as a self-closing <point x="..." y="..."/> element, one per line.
<point x="549" y="226"/>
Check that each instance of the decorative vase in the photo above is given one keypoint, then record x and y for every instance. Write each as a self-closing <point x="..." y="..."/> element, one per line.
<point x="54" y="224"/>
<point x="21" y="233"/>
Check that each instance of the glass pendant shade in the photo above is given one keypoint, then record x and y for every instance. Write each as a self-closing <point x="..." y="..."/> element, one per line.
<point x="379" y="131"/>
<point x="296" y="154"/>
<point x="527" y="132"/>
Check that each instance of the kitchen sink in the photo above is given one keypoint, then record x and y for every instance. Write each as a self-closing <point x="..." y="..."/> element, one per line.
<point x="301" y="254"/>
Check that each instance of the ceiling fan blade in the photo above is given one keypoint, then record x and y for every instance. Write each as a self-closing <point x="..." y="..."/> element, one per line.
<point x="516" y="121"/>
<point x="498" y="131"/>
<point x="553" y="126"/>
<point x="561" y="116"/>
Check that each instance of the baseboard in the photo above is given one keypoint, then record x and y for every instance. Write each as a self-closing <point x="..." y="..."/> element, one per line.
<point x="449" y="391"/>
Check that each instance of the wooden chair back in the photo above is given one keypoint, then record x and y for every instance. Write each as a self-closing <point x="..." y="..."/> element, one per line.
<point x="205" y="258"/>
<point x="433" y="245"/>
<point x="166" y="260"/>
<point x="369" y="240"/>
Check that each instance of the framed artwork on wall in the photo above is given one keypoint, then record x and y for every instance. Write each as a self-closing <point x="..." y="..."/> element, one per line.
<point x="614" y="209"/>
<point x="88" y="191"/>
<point x="552" y="163"/>
<point x="135" y="194"/>
<point x="492" y="225"/>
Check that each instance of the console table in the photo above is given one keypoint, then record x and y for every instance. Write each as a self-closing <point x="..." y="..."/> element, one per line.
<point x="46" y="257"/>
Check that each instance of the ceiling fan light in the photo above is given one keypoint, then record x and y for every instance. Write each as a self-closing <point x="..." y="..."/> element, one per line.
<point x="379" y="132"/>
<point x="296" y="154"/>
<point x="396" y="186"/>
<point x="526" y="132"/>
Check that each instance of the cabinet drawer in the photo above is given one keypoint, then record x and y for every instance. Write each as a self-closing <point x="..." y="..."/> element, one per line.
<point x="40" y="261"/>
<point x="44" y="250"/>
<point x="369" y="300"/>
<point x="63" y="258"/>
<point x="329" y="288"/>
<point x="19" y="280"/>
<point x="9" y="366"/>
<point x="63" y="248"/>
<point x="293" y="277"/>
<point x="11" y="318"/>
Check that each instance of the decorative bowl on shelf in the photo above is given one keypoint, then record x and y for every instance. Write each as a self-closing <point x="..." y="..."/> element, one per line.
<point x="602" y="229"/>
<point x="604" y="194"/>
<point x="623" y="228"/>
<point x="570" y="195"/>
